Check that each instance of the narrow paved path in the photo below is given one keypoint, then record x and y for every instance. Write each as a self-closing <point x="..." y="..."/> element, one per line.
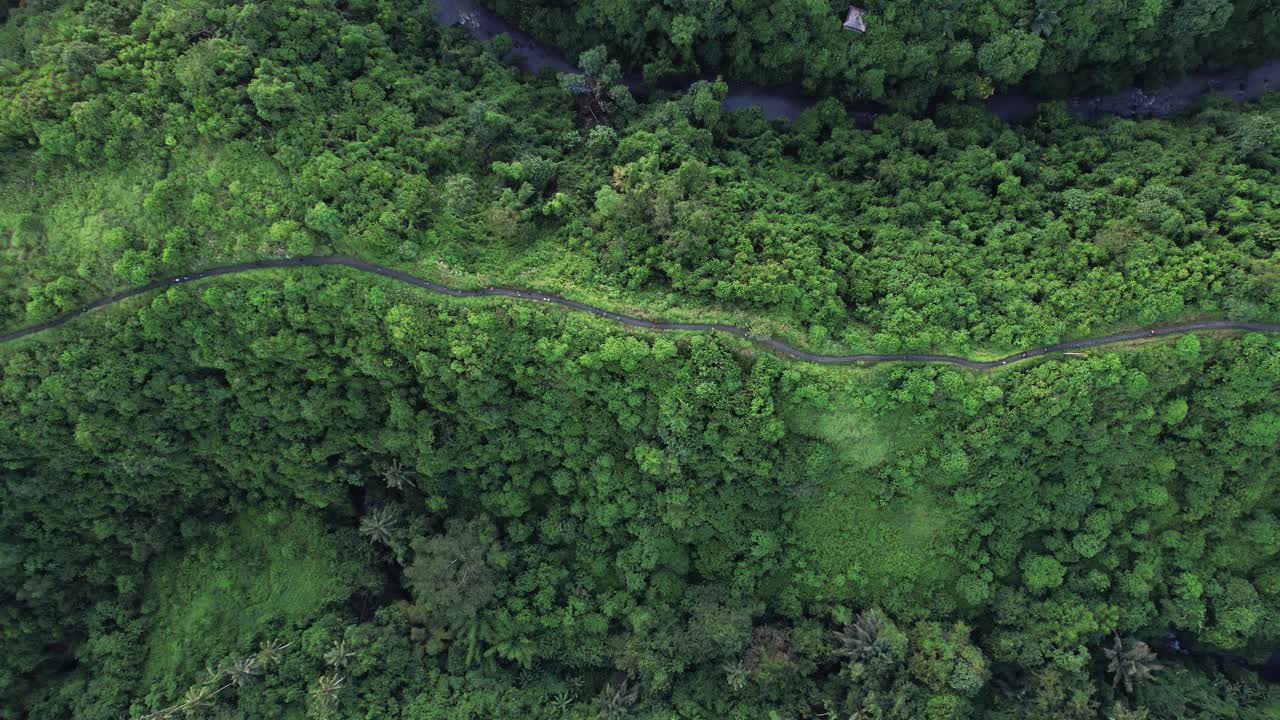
<point x="638" y="322"/>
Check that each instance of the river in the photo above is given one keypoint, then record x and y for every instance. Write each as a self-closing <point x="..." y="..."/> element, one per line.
<point x="787" y="102"/>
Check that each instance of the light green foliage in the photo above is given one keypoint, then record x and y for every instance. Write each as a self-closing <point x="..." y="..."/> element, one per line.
<point x="1041" y="572"/>
<point x="1008" y="58"/>
<point x="1257" y="134"/>
<point x="945" y="661"/>
<point x="868" y="550"/>
<point x="456" y="508"/>
<point x="260" y="576"/>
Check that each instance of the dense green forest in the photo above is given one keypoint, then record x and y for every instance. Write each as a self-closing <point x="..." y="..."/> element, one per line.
<point x="551" y="509"/>
<point x="914" y="51"/>
<point x="139" y="147"/>
<point x="317" y="494"/>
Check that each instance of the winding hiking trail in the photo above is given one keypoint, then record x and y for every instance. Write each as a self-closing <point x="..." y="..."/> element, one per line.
<point x="528" y="295"/>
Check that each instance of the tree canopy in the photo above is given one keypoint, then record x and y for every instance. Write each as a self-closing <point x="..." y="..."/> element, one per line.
<point x="316" y="493"/>
<point x="914" y="52"/>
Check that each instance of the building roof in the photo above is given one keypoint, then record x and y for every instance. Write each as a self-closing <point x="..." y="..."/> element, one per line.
<point x="854" y="21"/>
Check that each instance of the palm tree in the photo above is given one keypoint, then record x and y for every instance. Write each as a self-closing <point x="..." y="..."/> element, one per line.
<point x="1044" y="23"/>
<point x="736" y="673"/>
<point x="197" y="696"/>
<point x="379" y="525"/>
<point x="243" y="670"/>
<point x="517" y="650"/>
<point x="863" y="639"/>
<point x="1121" y="712"/>
<point x="325" y="693"/>
<point x="562" y="703"/>
<point x="615" y="701"/>
<point x="396" y="476"/>
<point x="269" y="651"/>
<point x="1130" y="662"/>
<point x="328" y="685"/>
<point x="221" y="677"/>
<point x="338" y="654"/>
<point x="214" y="674"/>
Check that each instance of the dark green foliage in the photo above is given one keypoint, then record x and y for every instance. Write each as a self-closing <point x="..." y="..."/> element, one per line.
<point x="599" y="88"/>
<point x="456" y="574"/>
<point x="281" y="494"/>
<point x="914" y="51"/>
<point x="621" y="534"/>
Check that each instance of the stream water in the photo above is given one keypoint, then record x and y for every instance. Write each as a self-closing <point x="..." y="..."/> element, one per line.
<point x="786" y="102"/>
<point x="1174" y="646"/>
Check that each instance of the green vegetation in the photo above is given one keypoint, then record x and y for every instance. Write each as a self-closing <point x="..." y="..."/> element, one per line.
<point x="266" y="570"/>
<point x="876" y="552"/>
<point x="575" y="501"/>
<point x="320" y="494"/>
<point x="915" y="51"/>
<point x="958" y="233"/>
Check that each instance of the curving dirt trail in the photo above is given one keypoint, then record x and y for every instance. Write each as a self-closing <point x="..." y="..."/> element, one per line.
<point x="528" y="295"/>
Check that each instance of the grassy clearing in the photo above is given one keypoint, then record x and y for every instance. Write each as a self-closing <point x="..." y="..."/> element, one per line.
<point x="861" y="549"/>
<point x="57" y="227"/>
<point x="264" y="575"/>
<point x="858" y="441"/>
<point x="869" y="553"/>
